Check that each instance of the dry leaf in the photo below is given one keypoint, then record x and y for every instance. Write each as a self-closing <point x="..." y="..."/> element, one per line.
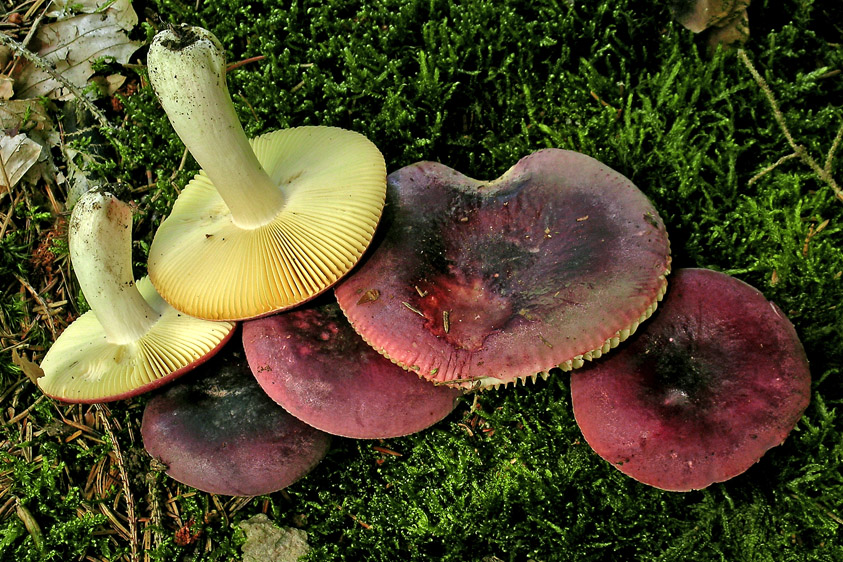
<point x="62" y="10"/>
<point x="108" y="85"/>
<point x="6" y="87"/>
<point x="17" y="155"/>
<point x="74" y="43"/>
<point x="30" y="369"/>
<point x="698" y="15"/>
<point x="31" y="116"/>
<point x="266" y="542"/>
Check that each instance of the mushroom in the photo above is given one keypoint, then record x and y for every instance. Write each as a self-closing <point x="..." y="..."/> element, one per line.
<point x="131" y="341"/>
<point x="484" y="283"/>
<point x="312" y="362"/>
<point x="715" y="379"/>
<point x="218" y="432"/>
<point x="266" y="224"/>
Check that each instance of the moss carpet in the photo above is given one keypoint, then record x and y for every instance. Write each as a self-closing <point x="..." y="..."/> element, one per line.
<point x="477" y="85"/>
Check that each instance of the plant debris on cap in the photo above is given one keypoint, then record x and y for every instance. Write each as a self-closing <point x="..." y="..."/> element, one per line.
<point x="712" y="382"/>
<point x="319" y="369"/>
<point x="217" y="431"/>
<point x="483" y="283"/>
<point x="268" y="223"/>
<point x="131" y="341"/>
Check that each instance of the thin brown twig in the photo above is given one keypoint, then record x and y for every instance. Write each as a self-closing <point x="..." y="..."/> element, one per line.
<point x="44" y="65"/>
<point x="771" y="167"/>
<point x="244" y="62"/>
<point x="834" y="145"/>
<point x="23" y="414"/>
<point x="41" y="301"/>
<point x="823" y="173"/>
<point x="127" y="491"/>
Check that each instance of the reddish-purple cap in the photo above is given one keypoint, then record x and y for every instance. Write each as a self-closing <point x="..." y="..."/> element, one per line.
<point x="483" y="283"/>
<point x="217" y="431"/>
<point x="715" y="379"/>
<point x="312" y="362"/>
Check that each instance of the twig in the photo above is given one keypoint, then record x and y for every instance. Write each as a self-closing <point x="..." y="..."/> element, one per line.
<point x="834" y="145"/>
<point x="41" y="301"/>
<point x="127" y="492"/>
<point x="823" y="173"/>
<point x="244" y="62"/>
<point x="23" y="414"/>
<point x="771" y="167"/>
<point x="44" y="65"/>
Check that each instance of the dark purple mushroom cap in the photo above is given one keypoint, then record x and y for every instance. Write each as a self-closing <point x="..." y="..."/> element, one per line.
<point x="483" y="283"/>
<point x="315" y="365"/>
<point x="715" y="379"/>
<point x="218" y="432"/>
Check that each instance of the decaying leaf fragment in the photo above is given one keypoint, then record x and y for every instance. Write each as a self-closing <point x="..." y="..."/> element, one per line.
<point x="724" y="21"/>
<point x="30" y="369"/>
<point x="74" y="42"/>
<point x="17" y="155"/>
<point x="26" y="122"/>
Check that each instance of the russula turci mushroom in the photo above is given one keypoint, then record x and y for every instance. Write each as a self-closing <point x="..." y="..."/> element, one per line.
<point x="715" y="379"/>
<point x="217" y="431"/>
<point x="318" y="368"/>
<point x="267" y="224"/>
<point x="483" y="283"/>
<point x="131" y="341"/>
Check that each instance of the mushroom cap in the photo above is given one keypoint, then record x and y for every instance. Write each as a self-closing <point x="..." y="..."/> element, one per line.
<point x="205" y="265"/>
<point x="218" y="432"/>
<point x="715" y="379"/>
<point x="315" y="365"/>
<point x="483" y="283"/>
<point x="83" y="366"/>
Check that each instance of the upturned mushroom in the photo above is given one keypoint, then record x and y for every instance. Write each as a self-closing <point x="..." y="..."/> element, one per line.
<point x="318" y="368"/>
<point x="131" y="341"/>
<point x="485" y="283"/>
<point x="266" y="224"/>
<point x="218" y="432"/>
<point x="716" y="378"/>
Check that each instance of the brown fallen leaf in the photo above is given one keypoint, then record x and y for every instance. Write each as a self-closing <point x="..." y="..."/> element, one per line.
<point x="30" y="369"/>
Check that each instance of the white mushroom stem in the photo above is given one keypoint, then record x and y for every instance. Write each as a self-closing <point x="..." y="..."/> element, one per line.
<point x="100" y="235"/>
<point x="187" y="71"/>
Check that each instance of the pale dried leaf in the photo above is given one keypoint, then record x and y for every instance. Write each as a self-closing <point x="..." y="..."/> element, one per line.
<point x="7" y="89"/>
<point x="73" y="44"/>
<point x="6" y="54"/>
<point x="28" y="115"/>
<point x="699" y="15"/>
<point x="125" y="15"/>
<point x="266" y="542"/>
<point x="17" y="154"/>
<point x="31" y="116"/>
<point x="30" y="369"/>
<point x="108" y="85"/>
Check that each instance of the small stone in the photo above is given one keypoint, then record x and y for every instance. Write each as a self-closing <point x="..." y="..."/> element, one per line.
<point x="266" y="542"/>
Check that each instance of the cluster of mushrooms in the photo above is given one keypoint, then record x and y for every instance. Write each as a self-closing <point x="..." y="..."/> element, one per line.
<point x="464" y="285"/>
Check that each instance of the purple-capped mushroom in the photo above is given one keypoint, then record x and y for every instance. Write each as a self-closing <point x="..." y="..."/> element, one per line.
<point x="716" y="378"/>
<point x="318" y="368"/>
<point x="218" y="432"/>
<point x="484" y="283"/>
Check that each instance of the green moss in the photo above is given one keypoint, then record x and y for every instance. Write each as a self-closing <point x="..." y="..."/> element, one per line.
<point x="477" y="85"/>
